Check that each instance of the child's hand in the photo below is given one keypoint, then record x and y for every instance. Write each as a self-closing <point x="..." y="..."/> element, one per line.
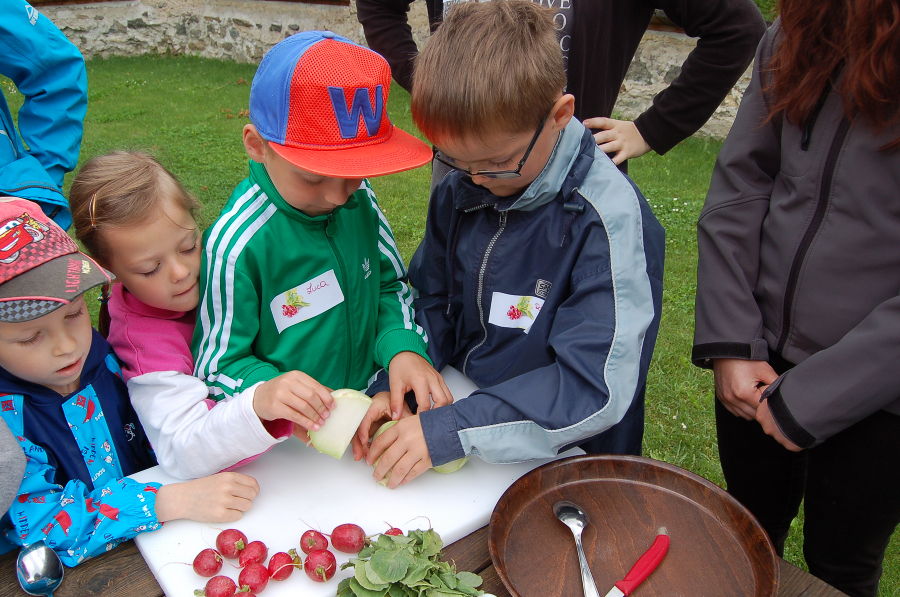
<point x="400" y="452"/>
<point x="378" y="414"/>
<point x="408" y="371"/>
<point x="294" y="396"/>
<point x="223" y="497"/>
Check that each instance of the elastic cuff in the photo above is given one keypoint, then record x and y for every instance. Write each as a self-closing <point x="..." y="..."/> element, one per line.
<point x="786" y="421"/>
<point x="440" y="430"/>
<point x="702" y="354"/>
<point x="380" y="383"/>
<point x="396" y="341"/>
<point x="647" y="124"/>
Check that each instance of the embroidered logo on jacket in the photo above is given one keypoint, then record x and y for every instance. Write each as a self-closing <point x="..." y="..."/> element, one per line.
<point x="511" y="311"/>
<point x="307" y="300"/>
<point x="32" y="14"/>
<point x="542" y="288"/>
<point x="366" y="268"/>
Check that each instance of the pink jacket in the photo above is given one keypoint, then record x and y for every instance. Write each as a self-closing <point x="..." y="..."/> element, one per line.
<point x="190" y="438"/>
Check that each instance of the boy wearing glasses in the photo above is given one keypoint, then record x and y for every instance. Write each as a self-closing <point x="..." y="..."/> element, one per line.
<point x="540" y="273"/>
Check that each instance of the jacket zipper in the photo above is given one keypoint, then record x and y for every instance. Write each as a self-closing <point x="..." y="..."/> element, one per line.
<point x="478" y="300"/>
<point x="821" y="207"/>
<point x="8" y="131"/>
<point x="342" y="278"/>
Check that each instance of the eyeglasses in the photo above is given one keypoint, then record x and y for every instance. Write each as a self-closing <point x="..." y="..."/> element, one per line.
<point x="448" y="161"/>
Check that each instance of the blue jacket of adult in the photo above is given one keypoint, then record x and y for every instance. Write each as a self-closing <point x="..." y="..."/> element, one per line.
<point x="549" y="301"/>
<point x="48" y="70"/>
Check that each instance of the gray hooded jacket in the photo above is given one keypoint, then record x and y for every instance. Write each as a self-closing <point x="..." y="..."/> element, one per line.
<point x="799" y="260"/>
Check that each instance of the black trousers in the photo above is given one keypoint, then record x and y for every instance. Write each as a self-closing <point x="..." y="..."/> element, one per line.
<point x="850" y="484"/>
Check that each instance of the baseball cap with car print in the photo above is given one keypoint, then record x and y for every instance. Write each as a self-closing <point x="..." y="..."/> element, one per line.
<point x="320" y="101"/>
<point x="41" y="268"/>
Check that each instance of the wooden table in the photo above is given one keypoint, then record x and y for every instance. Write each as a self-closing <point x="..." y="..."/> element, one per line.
<point x="122" y="572"/>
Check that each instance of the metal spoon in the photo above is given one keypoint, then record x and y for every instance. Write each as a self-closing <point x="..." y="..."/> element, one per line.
<point x="573" y="517"/>
<point x="39" y="569"/>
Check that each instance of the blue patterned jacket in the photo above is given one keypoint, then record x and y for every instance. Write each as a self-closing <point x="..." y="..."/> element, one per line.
<point x="79" y="449"/>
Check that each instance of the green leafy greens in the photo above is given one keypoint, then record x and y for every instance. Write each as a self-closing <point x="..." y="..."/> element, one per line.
<point x="406" y="566"/>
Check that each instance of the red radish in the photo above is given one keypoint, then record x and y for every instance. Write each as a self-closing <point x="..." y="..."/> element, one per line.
<point x="348" y="538"/>
<point x="282" y="564"/>
<point x="394" y="531"/>
<point x="254" y="552"/>
<point x="208" y="562"/>
<point x="320" y="565"/>
<point x="218" y="586"/>
<point x="230" y="542"/>
<point x="311" y="540"/>
<point x="253" y="578"/>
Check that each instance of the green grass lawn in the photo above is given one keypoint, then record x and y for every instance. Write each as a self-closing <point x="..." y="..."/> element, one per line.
<point x="189" y="113"/>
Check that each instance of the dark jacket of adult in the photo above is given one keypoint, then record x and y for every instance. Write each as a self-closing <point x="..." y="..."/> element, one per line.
<point x="605" y="37"/>
<point x="799" y="261"/>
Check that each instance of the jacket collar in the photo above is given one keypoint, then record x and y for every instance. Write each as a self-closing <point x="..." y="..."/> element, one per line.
<point x="136" y="305"/>
<point x="260" y="176"/>
<point x="542" y="189"/>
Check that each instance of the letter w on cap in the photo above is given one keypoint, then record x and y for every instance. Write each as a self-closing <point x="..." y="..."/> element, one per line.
<point x="348" y="120"/>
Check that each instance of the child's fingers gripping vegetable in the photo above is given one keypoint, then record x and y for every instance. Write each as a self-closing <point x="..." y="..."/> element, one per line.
<point x="223" y="497"/>
<point x="409" y="371"/>
<point x="294" y="396"/>
<point x="378" y="413"/>
<point x="400" y="453"/>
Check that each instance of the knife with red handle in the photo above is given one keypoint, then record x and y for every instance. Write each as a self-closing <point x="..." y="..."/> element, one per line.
<point x="646" y="564"/>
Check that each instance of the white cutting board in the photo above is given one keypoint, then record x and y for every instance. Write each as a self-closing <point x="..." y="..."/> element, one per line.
<point x="301" y="489"/>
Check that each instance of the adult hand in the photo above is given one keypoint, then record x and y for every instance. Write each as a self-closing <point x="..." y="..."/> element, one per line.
<point x="768" y="424"/>
<point x="740" y="384"/>
<point x="619" y="138"/>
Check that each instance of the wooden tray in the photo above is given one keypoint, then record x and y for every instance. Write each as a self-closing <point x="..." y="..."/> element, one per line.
<point x="717" y="547"/>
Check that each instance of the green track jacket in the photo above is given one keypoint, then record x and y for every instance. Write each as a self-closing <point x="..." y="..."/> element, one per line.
<point x="280" y="290"/>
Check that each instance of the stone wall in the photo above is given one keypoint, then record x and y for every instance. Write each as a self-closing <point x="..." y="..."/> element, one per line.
<point x="242" y="30"/>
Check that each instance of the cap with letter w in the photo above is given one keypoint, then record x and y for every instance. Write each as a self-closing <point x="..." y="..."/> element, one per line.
<point x="320" y="101"/>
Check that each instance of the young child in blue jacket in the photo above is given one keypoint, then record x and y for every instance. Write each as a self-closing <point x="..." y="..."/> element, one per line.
<point x="63" y="399"/>
<point x="540" y="272"/>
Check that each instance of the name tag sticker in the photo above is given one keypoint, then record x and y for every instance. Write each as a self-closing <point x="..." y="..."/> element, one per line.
<point x="307" y="300"/>
<point x="511" y="311"/>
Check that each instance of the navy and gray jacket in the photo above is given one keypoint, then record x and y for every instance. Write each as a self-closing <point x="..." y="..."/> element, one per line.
<point x="549" y="301"/>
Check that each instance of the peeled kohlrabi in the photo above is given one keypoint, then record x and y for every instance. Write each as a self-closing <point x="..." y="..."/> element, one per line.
<point x="350" y="406"/>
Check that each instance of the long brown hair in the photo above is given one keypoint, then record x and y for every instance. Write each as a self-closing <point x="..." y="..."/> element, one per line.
<point x="861" y="37"/>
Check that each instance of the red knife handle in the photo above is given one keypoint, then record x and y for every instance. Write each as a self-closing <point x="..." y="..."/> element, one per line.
<point x="646" y="564"/>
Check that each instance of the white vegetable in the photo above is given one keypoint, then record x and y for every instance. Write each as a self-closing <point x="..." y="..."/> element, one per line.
<point x="452" y="466"/>
<point x="350" y="406"/>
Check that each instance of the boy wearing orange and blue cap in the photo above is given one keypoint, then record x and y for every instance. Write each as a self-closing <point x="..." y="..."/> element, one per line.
<point x="302" y="287"/>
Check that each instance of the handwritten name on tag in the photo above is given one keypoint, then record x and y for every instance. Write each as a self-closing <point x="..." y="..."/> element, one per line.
<point x="307" y="300"/>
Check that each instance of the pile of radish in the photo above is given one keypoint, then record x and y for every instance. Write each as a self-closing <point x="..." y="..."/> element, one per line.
<point x="319" y="565"/>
